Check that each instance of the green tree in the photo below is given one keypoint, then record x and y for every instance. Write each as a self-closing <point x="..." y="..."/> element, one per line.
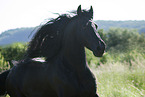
<point x="123" y="40"/>
<point x="3" y="64"/>
<point x="15" y="51"/>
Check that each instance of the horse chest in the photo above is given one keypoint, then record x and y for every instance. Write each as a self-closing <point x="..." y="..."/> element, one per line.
<point x="69" y="82"/>
<point x="64" y="79"/>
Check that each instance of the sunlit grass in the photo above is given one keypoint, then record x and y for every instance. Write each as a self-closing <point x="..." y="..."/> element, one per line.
<point x="120" y="79"/>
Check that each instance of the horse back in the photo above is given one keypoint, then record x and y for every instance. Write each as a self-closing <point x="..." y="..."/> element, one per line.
<point x="41" y="79"/>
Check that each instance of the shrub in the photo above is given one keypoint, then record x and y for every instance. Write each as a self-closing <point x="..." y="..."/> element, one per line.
<point x="3" y="64"/>
<point x="123" y="40"/>
<point x="15" y="51"/>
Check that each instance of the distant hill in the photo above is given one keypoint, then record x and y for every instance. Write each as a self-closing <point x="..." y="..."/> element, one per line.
<point x="16" y="35"/>
<point x="139" y="25"/>
<point x="22" y="34"/>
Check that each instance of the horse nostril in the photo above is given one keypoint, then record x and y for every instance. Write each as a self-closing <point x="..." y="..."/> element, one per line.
<point x="101" y="47"/>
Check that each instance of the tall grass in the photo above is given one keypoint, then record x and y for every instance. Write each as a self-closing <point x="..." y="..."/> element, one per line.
<point x="119" y="79"/>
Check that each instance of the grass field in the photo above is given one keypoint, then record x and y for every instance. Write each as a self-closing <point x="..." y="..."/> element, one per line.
<point x="121" y="79"/>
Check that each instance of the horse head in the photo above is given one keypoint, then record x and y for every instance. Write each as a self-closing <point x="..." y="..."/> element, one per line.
<point x="87" y="32"/>
<point x="47" y="40"/>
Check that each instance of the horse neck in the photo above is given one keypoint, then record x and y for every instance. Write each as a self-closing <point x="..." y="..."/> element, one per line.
<point x="74" y="58"/>
<point x="73" y="50"/>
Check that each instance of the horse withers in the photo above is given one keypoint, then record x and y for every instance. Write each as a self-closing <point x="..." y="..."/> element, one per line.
<point x="64" y="73"/>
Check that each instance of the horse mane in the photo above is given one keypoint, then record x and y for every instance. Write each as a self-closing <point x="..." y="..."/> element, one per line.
<point x="45" y="42"/>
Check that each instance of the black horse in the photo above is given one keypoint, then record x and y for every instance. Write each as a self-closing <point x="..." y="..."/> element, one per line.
<point x="3" y="77"/>
<point x="65" y="72"/>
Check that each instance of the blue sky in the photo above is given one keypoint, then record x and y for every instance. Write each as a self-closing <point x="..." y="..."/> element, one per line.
<point x="30" y="13"/>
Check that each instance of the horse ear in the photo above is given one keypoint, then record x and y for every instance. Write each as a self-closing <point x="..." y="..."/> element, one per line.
<point x="79" y="10"/>
<point x="91" y="12"/>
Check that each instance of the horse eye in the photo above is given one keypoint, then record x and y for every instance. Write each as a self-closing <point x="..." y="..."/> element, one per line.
<point x="85" y="26"/>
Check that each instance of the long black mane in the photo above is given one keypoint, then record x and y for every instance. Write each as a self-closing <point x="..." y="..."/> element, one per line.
<point x="46" y="41"/>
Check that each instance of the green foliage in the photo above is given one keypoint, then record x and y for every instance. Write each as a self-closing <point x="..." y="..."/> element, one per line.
<point x="118" y="79"/>
<point x="7" y="96"/>
<point x="3" y="64"/>
<point x="91" y="59"/>
<point x="15" y="51"/>
<point x="123" y="40"/>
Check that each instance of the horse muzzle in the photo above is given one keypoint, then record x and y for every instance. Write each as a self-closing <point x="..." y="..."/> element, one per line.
<point x="100" y="50"/>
